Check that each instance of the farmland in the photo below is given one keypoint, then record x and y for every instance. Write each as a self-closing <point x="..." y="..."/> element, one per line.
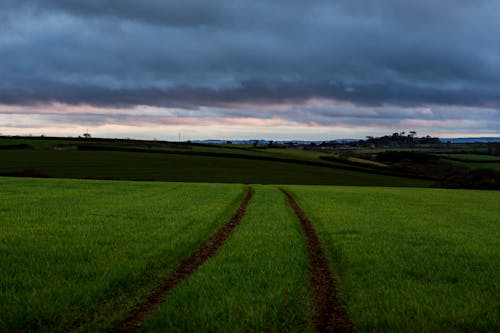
<point x="414" y="260"/>
<point x="74" y="251"/>
<point x="257" y="282"/>
<point x="405" y="259"/>
<point x="156" y="161"/>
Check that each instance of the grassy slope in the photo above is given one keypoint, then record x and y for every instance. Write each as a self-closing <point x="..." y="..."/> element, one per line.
<point x="145" y="166"/>
<point x="412" y="260"/>
<point x="71" y="251"/>
<point x="258" y="281"/>
<point x="494" y="166"/>
<point x="472" y="165"/>
<point x="475" y="157"/>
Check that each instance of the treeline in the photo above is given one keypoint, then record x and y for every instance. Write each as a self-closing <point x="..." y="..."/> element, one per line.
<point x="402" y="139"/>
<point x="396" y="140"/>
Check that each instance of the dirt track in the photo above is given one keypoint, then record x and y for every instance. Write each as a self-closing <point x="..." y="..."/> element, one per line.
<point x="136" y="315"/>
<point x="330" y="315"/>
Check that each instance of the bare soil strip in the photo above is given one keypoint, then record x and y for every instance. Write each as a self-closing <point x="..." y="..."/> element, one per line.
<point x="188" y="266"/>
<point x="330" y="315"/>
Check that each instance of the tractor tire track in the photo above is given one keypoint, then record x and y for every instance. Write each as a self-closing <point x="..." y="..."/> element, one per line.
<point x="330" y="315"/>
<point x="188" y="266"/>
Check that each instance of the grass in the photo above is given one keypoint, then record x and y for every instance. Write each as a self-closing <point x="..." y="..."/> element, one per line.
<point x="258" y="281"/>
<point x="411" y="260"/>
<point x="74" y="252"/>
<point x="365" y="161"/>
<point x="38" y="143"/>
<point x="472" y="165"/>
<point x="475" y="157"/>
<point x="187" y="168"/>
<point x="79" y="254"/>
<point x="483" y="161"/>
<point x="494" y="166"/>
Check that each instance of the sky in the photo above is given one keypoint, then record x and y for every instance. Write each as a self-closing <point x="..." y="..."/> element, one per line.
<point x="244" y="69"/>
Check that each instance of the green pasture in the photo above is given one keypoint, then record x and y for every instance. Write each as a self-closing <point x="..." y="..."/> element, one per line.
<point x="39" y="143"/>
<point x="476" y="165"/>
<point x="187" y="168"/>
<point x="475" y="157"/>
<point x="482" y="161"/>
<point x="494" y="166"/>
<point x="411" y="260"/>
<point x="80" y="253"/>
<point x="365" y="161"/>
<point x="257" y="282"/>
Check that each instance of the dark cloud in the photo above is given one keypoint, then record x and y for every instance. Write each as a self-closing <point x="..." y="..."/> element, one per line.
<point x="214" y="53"/>
<point x="250" y="92"/>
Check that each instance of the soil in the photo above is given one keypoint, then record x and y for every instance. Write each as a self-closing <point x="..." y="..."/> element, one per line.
<point x="330" y="315"/>
<point x="188" y="266"/>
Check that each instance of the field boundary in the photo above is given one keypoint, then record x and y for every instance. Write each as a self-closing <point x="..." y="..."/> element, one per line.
<point x="330" y="315"/>
<point x="134" y="318"/>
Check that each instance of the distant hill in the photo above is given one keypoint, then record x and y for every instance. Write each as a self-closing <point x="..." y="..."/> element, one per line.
<point x="346" y="140"/>
<point x="264" y="142"/>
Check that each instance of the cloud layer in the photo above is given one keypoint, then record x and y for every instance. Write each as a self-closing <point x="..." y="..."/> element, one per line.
<point x="316" y="62"/>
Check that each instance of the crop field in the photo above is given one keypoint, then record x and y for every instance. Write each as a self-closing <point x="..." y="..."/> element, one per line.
<point x="480" y="164"/>
<point x="494" y="166"/>
<point x="473" y="157"/>
<point x="187" y="168"/>
<point x="71" y="252"/>
<point x="257" y="282"/>
<point x="85" y="255"/>
<point x="419" y="260"/>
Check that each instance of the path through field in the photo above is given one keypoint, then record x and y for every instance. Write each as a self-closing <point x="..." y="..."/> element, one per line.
<point x="136" y="315"/>
<point x="258" y="281"/>
<point x="330" y="315"/>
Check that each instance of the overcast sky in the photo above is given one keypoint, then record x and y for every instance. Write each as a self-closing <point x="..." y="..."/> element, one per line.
<point x="227" y="69"/>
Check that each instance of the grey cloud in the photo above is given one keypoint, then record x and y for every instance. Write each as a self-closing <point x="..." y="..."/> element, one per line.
<point x="249" y="92"/>
<point x="192" y="54"/>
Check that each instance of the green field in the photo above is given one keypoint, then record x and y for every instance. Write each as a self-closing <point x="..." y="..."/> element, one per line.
<point x="477" y="165"/>
<point x="494" y="166"/>
<point x="411" y="260"/>
<point x="187" y="168"/>
<point x="258" y="282"/>
<point x="73" y="252"/>
<point x="475" y="161"/>
<point x="475" y="157"/>
<point x="79" y="254"/>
